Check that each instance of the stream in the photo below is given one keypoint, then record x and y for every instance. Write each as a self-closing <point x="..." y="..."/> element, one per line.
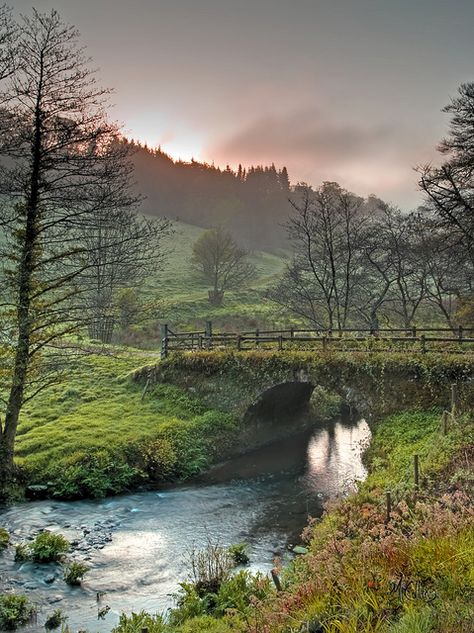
<point x="137" y="544"/>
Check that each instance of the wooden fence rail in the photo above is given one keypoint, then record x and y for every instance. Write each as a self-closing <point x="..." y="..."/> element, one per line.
<point x="415" y="339"/>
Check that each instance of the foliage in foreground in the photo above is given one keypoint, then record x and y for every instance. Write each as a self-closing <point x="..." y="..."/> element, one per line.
<point x="45" y="548"/>
<point x="15" y="611"/>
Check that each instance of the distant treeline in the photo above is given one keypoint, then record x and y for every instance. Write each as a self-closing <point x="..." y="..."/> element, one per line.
<point x="252" y="204"/>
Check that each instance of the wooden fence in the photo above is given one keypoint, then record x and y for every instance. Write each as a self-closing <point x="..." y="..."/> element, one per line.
<point x="415" y="339"/>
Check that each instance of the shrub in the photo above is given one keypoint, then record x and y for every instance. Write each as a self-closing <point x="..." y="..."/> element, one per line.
<point x="136" y="622"/>
<point x="239" y="553"/>
<point x="94" y="475"/>
<point x="74" y="573"/>
<point x="236" y="593"/>
<point x="55" y="620"/>
<point x="15" y="611"/>
<point x="160" y="459"/>
<point x="48" y="547"/>
<point x="210" y="567"/>
<point x="4" y="539"/>
<point x="239" y="591"/>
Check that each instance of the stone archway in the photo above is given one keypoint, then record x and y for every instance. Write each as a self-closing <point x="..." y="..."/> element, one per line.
<point x="277" y="412"/>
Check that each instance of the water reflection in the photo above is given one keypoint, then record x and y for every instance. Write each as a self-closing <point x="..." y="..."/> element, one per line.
<point x="263" y="498"/>
<point x="334" y="457"/>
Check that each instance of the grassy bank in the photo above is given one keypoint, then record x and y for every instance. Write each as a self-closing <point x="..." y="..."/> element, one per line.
<point x="411" y="572"/>
<point x="99" y="433"/>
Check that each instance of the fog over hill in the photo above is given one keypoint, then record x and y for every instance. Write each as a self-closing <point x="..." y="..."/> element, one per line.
<point x="251" y="203"/>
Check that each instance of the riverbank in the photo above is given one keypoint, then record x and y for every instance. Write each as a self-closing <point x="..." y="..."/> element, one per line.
<point x="99" y="433"/>
<point x="137" y="546"/>
<point x="408" y="572"/>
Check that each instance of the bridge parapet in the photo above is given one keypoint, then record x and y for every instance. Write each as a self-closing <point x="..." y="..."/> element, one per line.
<point x="375" y="383"/>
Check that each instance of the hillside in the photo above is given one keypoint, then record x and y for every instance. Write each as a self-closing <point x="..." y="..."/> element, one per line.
<point x="251" y="203"/>
<point x="183" y="297"/>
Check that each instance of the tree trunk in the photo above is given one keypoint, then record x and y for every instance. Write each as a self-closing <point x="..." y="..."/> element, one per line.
<point x="22" y="357"/>
<point x="25" y="289"/>
<point x="216" y="297"/>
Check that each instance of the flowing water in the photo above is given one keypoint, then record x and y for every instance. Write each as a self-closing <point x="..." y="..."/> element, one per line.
<point x="137" y="544"/>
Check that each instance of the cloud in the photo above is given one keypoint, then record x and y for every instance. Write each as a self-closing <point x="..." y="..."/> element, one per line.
<point x="367" y="158"/>
<point x="306" y="134"/>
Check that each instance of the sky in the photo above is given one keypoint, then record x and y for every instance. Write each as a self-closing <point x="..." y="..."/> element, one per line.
<point x="343" y="90"/>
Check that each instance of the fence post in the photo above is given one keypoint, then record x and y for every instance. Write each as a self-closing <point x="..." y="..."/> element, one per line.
<point x="454" y="398"/>
<point x="325" y="343"/>
<point x="444" y="422"/>
<point x="292" y="332"/>
<point x="239" y="342"/>
<point x="416" y="469"/>
<point x="423" y="343"/>
<point x="276" y="579"/>
<point x="164" y="340"/>
<point x="200" y="341"/>
<point x="413" y="331"/>
<point x="460" y="332"/>
<point x="388" y="499"/>
<point x="280" y="343"/>
<point x="209" y="334"/>
<point x="257" y="335"/>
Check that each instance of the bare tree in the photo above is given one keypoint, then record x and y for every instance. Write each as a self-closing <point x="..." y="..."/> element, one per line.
<point x="221" y="262"/>
<point x="122" y="250"/>
<point x="61" y="165"/>
<point x="377" y="275"/>
<point x="449" y="188"/>
<point x="402" y="237"/>
<point x="320" y="282"/>
<point x="8" y="33"/>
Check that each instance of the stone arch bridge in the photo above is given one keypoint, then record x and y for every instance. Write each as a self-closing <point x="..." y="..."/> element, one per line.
<point x="264" y="388"/>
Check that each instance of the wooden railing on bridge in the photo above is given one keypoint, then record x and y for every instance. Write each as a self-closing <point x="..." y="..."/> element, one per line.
<point x="415" y="339"/>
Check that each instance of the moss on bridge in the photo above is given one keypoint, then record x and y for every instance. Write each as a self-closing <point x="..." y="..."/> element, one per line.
<point x="375" y="383"/>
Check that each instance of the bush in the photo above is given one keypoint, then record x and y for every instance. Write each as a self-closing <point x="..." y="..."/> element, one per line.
<point x="239" y="553"/>
<point x="15" y="611"/>
<point x="48" y="547"/>
<point x="55" y="620"/>
<point x="136" y="622"/>
<point x="160" y="459"/>
<point x="4" y="539"/>
<point x="94" y="475"/>
<point x="210" y="567"/>
<point x="74" y="573"/>
<point x="235" y="593"/>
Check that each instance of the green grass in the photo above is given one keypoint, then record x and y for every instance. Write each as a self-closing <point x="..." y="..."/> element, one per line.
<point x="184" y="296"/>
<point x="100" y="411"/>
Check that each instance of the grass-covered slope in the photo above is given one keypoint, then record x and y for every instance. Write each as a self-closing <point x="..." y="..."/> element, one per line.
<point x="185" y="298"/>
<point x="100" y="433"/>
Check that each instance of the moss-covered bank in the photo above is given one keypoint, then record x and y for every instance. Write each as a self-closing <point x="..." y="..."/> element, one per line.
<point x="99" y="433"/>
